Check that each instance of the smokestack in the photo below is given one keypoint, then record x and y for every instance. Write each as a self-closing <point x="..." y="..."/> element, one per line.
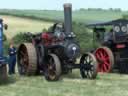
<point x="68" y="18"/>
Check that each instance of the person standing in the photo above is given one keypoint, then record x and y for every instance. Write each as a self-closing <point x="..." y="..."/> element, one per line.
<point x="12" y="58"/>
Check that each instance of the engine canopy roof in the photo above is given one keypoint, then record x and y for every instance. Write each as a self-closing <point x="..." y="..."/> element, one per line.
<point x="109" y="23"/>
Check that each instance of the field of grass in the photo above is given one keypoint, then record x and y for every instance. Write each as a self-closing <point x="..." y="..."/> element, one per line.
<point x="16" y="25"/>
<point x="69" y="85"/>
<point x="83" y="16"/>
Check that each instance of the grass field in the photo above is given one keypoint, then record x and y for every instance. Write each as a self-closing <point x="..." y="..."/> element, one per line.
<point x="83" y="16"/>
<point x="17" y="25"/>
<point x="69" y="85"/>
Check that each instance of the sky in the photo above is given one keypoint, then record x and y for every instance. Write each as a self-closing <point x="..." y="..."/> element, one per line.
<point x="57" y="4"/>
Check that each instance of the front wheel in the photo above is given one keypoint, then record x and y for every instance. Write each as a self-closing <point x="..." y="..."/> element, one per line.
<point x="88" y="66"/>
<point x="105" y="59"/>
<point x="53" y="70"/>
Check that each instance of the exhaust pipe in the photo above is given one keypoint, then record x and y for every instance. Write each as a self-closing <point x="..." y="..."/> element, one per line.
<point x="68" y="18"/>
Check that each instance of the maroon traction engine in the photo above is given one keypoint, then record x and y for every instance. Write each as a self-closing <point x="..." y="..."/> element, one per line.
<point x="55" y="53"/>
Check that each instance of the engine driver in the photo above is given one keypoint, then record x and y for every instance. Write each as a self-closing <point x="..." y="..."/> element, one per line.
<point x="108" y="37"/>
<point x="58" y="32"/>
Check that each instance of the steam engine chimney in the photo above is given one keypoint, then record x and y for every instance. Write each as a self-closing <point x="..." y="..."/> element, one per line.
<point x="68" y="18"/>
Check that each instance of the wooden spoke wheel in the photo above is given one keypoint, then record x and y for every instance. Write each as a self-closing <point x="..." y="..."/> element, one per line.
<point x="88" y="66"/>
<point x="27" y="59"/>
<point x="53" y="70"/>
<point x="105" y="59"/>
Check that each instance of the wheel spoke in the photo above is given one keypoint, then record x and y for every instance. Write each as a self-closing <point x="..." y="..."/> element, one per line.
<point x="98" y="56"/>
<point x="106" y="58"/>
<point x="105" y="67"/>
<point x="90" y="74"/>
<point x="101" y="54"/>
<point x="105" y="54"/>
<point x="90" y="60"/>
<point x="106" y="63"/>
<point x="85" y="60"/>
<point x="92" y="68"/>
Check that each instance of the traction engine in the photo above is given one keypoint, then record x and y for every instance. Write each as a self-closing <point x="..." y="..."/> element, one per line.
<point x="55" y="53"/>
<point x="112" y="54"/>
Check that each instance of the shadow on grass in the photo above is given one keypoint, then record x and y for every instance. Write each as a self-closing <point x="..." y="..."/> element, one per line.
<point x="72" y="75"/>
<point x="76" y="75"/>
<point x="7" y="81"/>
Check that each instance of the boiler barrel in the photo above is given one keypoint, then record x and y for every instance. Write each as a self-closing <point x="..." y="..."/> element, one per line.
<point x="68" y="18"/>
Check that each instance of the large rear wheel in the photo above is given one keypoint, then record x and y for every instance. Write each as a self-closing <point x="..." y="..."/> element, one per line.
<point x="105" y="59"/>
<point x="53" y="70"/>
<point x="27" y="59"/>
<point x="88" y="66"/>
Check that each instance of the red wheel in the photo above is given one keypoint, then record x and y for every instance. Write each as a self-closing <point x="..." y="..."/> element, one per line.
<point x="105" y="59"/>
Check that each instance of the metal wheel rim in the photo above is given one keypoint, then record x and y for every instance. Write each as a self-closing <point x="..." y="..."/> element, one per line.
<point x="91" y="70"/>
<point x="51" y="69"/>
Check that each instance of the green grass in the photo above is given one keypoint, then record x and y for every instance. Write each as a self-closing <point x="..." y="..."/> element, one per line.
<point x="69" y="85"/>
<point x="16" y="25"/>
<point x="78" y="16"/>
